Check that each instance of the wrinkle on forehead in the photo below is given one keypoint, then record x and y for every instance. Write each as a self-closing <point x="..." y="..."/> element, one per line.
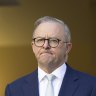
<point x="49" y="29"/>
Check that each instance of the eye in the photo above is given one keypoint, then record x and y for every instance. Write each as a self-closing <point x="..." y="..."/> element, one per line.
<point x="39" y="40"/>
<point x="53" y="40"/>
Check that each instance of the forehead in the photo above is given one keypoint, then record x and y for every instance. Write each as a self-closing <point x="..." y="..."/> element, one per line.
<point x="49" y="29"/>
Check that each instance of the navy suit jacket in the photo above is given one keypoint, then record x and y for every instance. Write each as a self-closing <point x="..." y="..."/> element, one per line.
<point x="75" y="83"/>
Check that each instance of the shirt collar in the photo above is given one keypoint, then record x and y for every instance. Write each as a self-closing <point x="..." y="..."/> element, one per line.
<point x="41" y="74"/>
<point x="59" y="72"/>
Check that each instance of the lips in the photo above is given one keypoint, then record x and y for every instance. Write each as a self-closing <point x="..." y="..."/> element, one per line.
<point x="46" y="52"/>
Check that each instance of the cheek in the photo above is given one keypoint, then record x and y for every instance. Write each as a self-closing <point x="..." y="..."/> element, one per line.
<point x="61" y="52"/>
<point x="36" y="50"/>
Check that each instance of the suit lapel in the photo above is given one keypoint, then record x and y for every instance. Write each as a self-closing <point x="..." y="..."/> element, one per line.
<point x="30" y="88"/>
<point x="70" y="83"/>
<point x="68" y="88"/>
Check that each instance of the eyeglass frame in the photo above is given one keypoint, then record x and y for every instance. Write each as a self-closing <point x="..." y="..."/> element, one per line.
<point x="48" y="41"/>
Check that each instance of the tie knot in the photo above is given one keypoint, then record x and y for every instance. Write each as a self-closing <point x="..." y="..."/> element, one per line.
<point x="50" y="77"/>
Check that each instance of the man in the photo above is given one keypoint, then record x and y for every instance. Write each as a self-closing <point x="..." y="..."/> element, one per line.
<point x="51" y="43"/>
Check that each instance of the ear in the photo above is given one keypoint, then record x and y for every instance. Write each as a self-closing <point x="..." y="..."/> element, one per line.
<point x="68" y="47"/>
<point x="32" y="44"/>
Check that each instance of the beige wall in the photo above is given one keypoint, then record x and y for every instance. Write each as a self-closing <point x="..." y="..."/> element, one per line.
<point x="16" y="25"/>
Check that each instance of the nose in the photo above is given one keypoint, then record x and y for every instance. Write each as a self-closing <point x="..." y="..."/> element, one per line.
<point x="46" y="45"/>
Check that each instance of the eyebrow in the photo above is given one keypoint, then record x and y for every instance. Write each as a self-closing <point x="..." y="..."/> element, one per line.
<point x="46" y="38"/>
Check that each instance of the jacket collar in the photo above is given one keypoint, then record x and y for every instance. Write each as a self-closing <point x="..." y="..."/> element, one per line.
<point x="70" y="82"/>
<point x="30" y="87"/>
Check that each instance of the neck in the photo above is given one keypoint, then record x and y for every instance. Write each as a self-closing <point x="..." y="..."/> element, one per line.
<point x="49" y="68"/>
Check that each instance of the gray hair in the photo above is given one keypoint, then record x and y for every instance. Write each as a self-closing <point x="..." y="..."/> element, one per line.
<point x="52" y="19"/>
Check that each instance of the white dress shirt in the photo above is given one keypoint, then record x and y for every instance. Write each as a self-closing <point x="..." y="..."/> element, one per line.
<point x="59" y="73"/>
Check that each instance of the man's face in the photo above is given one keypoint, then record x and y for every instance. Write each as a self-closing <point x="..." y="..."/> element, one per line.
<point x="46" y="55"/>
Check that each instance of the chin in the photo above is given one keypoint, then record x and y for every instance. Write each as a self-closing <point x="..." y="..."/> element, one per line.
<point x="46" y="61"/>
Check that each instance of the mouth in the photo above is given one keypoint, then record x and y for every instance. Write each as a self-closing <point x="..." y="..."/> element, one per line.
<point x="46" y="53"/>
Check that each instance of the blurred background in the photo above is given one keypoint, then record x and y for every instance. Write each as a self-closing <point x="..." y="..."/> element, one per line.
<point x="17" y="18"/>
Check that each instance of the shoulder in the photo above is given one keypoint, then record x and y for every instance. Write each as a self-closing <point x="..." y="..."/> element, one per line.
<point x="84" y="77"/>
<point x="81" y="76"/>
<point x="24" y="82"/>
<point x="24" y="79"/>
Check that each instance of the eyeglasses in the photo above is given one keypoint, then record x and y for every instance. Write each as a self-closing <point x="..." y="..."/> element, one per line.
<point x="53" y="42"/>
